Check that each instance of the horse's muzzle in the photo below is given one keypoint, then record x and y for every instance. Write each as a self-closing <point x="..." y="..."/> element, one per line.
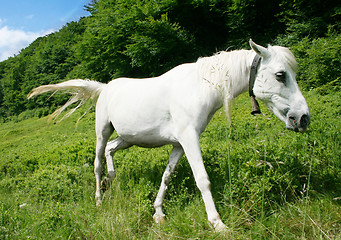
<point x="298" y="123"/>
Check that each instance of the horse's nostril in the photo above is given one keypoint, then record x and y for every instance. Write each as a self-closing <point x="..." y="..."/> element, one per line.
<point x="305" y="120"/>
<point x="293" y="120"/>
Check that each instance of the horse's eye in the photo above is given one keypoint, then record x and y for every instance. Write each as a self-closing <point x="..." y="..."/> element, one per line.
<point x="280" y="76"/>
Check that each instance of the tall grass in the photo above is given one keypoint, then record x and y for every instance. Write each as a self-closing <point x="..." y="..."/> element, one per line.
<point x="268" y="183"/>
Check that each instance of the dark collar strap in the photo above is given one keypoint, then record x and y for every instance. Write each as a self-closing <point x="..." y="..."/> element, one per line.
<point x="253" y="72"/>
<point x="254" y="67"/>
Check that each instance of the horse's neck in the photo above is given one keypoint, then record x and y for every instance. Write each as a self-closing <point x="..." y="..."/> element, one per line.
<point x="240" y="81"/>
<point x="227" y="72"/>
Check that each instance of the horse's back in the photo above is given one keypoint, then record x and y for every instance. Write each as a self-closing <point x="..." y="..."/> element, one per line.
<point x="148" y="94"/>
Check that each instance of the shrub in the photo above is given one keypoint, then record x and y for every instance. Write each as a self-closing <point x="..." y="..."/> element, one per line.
<point x="319" y="61"/>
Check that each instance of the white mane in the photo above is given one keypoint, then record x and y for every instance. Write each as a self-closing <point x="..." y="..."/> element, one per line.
<point x="224" y="71"/>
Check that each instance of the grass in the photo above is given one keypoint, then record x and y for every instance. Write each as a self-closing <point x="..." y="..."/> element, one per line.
<point x="268" y="183"/>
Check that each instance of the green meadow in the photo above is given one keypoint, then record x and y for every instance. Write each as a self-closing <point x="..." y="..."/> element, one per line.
<point x="267" y="182"/>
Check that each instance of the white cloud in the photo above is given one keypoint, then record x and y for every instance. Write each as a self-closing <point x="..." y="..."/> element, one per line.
<point x="12" y="40"/>
<point x="30" y="16"/>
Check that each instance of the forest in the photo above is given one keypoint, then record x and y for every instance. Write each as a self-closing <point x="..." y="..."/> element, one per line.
<point x="267" y="182"/>
<point x="146" y="38"/>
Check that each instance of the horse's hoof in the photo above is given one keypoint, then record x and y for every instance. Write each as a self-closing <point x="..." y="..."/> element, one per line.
<point x="220" y="227"/>
<point x="98" y="202"/>
<point x="159" y="219"/>
<point x="105" y="184"/>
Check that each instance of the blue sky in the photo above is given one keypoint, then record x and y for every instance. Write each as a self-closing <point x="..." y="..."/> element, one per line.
<point x="22" y="21"/>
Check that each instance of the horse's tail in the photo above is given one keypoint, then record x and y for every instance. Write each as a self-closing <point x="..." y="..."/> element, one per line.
<point x="82" y="91"/>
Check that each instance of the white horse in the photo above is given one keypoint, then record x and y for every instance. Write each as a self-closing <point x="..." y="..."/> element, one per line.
<point x="176" y="107"/>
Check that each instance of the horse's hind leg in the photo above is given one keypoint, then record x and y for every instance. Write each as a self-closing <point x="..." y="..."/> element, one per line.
<point x="103" y="132"/>
<point x="110" y="150"/>
<point x="174" y="157"/>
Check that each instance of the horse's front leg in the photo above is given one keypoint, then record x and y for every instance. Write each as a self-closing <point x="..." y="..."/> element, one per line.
<point x="190" y="144"/>
<point x="176" y="154"/>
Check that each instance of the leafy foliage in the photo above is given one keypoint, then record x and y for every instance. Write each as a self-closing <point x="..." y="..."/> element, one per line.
<point x="320" y="61"/>
<point x="147" y="38"/>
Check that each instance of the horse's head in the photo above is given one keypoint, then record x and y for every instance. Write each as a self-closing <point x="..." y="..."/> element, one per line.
<point x="276" y="86"/>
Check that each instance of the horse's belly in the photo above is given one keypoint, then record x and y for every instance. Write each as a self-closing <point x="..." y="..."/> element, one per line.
<point x="144" y="136"/>
<point x="151" y="129"/>
<point x="147" y="140"/>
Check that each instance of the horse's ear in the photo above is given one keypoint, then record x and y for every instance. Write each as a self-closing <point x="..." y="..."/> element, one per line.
<point x="262" y="51"/>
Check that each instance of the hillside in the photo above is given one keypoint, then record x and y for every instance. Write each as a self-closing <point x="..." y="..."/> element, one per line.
<point x="268" y="182"/>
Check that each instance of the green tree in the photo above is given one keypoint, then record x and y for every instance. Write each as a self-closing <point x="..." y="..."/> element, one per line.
<point x="144" y="38"/>
<point x="132" y="38"/>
